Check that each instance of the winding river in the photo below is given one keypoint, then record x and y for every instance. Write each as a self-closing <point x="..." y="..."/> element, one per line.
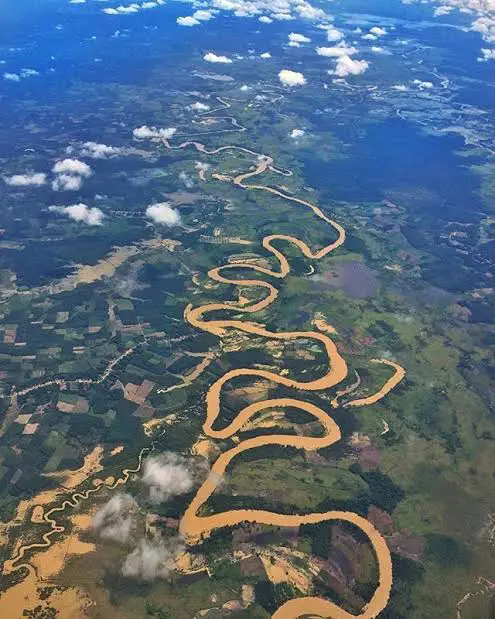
<point x="195" y="526"/>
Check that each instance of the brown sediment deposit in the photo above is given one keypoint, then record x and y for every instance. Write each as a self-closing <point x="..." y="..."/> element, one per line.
<point x="69" y="603"/>
<point x="71" y="479"/>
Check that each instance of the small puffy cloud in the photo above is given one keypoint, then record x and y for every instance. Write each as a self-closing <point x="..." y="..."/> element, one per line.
<point x="282" y="16"/>
<point x="291" y="78"/>
<point x="245" y="88"/>
<point x="24" y="73"/>
<point x="334" y="35"/>
<point x="199" y="107"/>
<point x="11" y="77"/>
<point x="29" y="73"/>
<point x="188" y="21"/>
<point x="72" y="166"/>
<point x="487" y="54"/>
<point x="81" y="213"/>
<point x="294" y="37"/>
<point x="25" y="180"/>
<point x="203" y="15"/>
<point x="186" y="179"/>
<point x="135" y="7"/>
<point x="306" y="11"/>
<point x="116" y="519"/>
<point x="369" y="37"/>
<point x="347" y="66"/>
<point x="400" y="87"/>
<point x="152" y="559"/>
<point x="297" y="133"/>
<point x="423" y="85"/>
<point x="265" y="55"/>
<point x="336" y="51"/>
<point x="67" y="182"/>
<point x="264" y="19"/>
<point x="442" y="10"/>
<point x="69" y="174"/>
<point x="210" y="57"/>
<point x="485" y="25"/>
<point x="378" y="50"/>
<point x="377" y="31"/>
<point x="168" y="474"/>
<point x="163" y="213"/>
<point x="147" y="133"/>
<point x="98" y="151"/>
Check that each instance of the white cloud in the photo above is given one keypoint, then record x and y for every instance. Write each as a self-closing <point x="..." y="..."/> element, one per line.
<point x="336" y="51"/>
<point x="265" y="55"/>
<point x="423" y="85"/>
<point x="24" y="180"/>
<point x="29" y="72"/>
<point x="199" y="107"/>
<point x="67" y="182"/>
<point x="294" y="44"/>
<point x="202" y="166"/>
<point x="135" y="7"/>
<point x="291" y="78"/>
<point x="11" y="77"/>
<point x="168" y="474"/>
<point x="347" y="66"/>
<point x="442" y="10"/>
<point x="485" y="25"/>
<point x="152" y="559"/>
<point x="297" y="133"/>
<point x="163" y="213"/>
<point x="147" y="133"/>
<point x="210" y="57"/>
<point x="377" y="31"/>
<point x="72" y="166"/>
<point x="203" y="15"/>
<point x="294" y="37"/>
<point x="226" y="5"/>
<point x="98" y="151"/>
<point x="245" y="88"/>
<point x="486" y="54"/>
<point x="306" y="11"/>
<point x="81" y="213"/>
<point x="334" y="35"/>
<point x="116" y="519"/>
<point x="186" y="179"/>
<point x="69" y="174"/>
<point x="278" y="9"/>
<point x="264" y="19"/>
<point x="188" y="21"/>
<point x="378" y="50"/>
<point x="400" y="87"/>
<point x="282" y="16"/>
<point x="369" y="37"/>
<point x="24" y="73"/>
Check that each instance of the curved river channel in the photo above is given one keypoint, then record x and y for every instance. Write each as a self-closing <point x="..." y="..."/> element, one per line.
<point x="193" y="525"/>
